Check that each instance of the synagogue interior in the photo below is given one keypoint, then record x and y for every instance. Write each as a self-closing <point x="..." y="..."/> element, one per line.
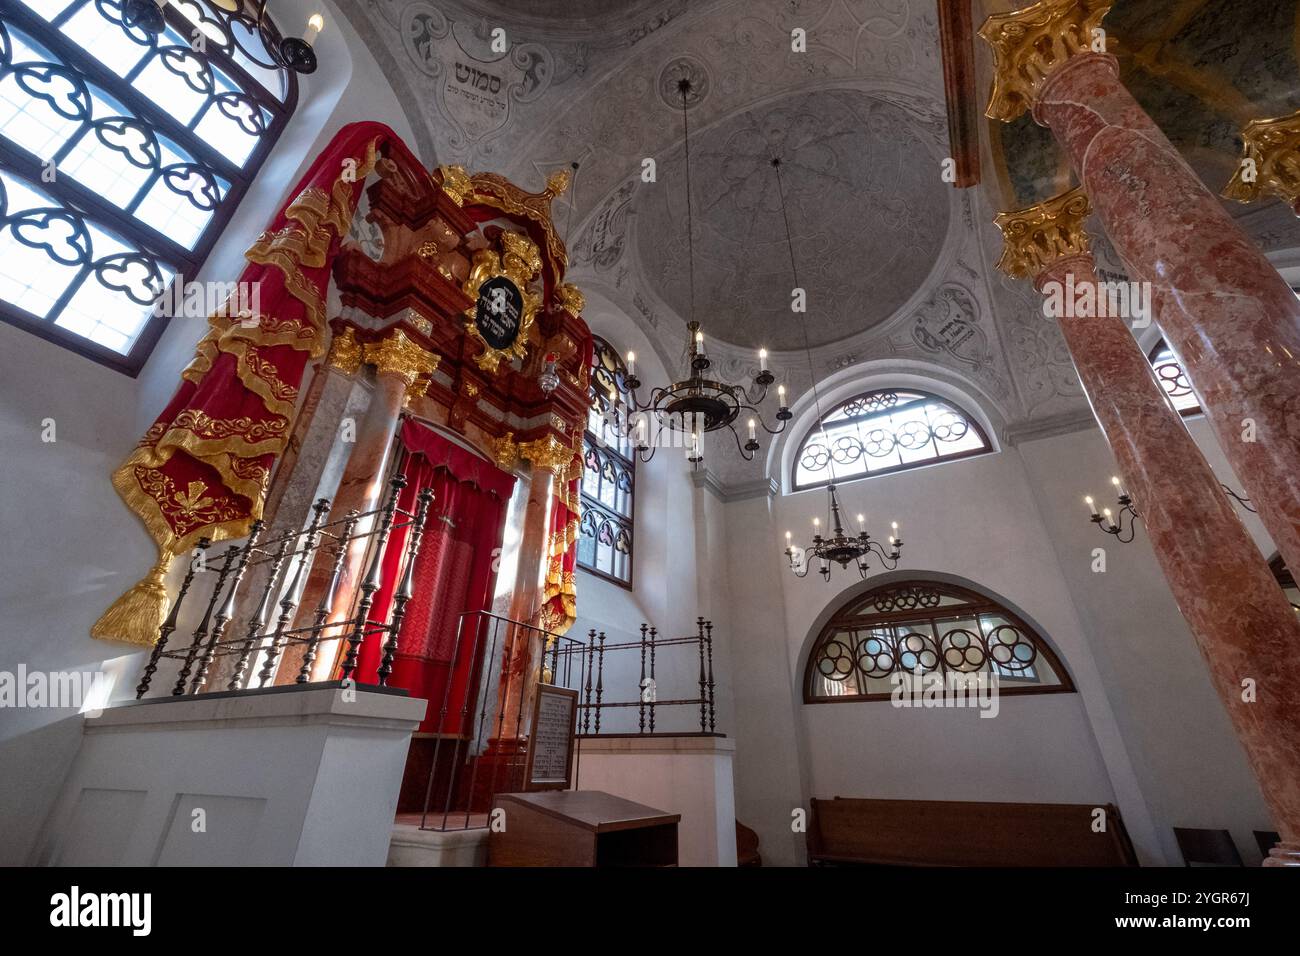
<point x="605" y="433"/>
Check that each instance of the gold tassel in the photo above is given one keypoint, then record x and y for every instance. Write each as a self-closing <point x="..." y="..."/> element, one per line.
<point x="137" y="615"/>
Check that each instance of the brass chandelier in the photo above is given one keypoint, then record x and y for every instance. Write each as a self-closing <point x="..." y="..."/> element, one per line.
<point x="839" y="548"/>
<point x="699" y="403"/>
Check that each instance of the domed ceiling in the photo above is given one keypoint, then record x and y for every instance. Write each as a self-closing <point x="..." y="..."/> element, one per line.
<point x="865" y="214"/>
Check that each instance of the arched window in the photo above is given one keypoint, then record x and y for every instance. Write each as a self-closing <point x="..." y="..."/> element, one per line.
<point x="1173" y="379"/>
<point x="608" y="472"/>
<point x="886" y="430"/>
<point x="122" y="157"/>
<point x="876" y="640"/>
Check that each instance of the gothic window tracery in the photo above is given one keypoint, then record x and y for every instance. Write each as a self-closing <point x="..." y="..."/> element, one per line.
<point x="926" y="628"/>
<point x="122" y="157"/>
<point x="609" y="472"/>
<point x="1173" y="380"/>
<point x="882" y="431"/>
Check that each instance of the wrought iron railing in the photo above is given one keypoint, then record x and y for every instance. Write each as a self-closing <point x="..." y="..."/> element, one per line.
<point x="287" y="560"/>
<point x="482" y="732"/>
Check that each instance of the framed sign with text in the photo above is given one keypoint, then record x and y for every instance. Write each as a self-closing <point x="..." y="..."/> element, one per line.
<point x="550" y="747"/>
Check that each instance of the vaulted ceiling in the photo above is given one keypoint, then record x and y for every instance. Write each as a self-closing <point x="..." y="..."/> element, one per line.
<point x="897" y="263"/>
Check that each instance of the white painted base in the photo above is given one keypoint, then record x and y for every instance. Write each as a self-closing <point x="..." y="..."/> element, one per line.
<point x="687" y="775"/>
<point x="412" y="846"/>
<point x="287" y="777"/>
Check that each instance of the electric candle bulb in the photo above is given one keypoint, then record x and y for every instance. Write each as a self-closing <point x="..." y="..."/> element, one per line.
<point x="699" y="341"/>
<point x="780" y="394"/>
<point x="894" y="525"/>
<point x="1106" y="512"/>
<point x="762" y="360"/>
<point x="1119" y="489"/>
<point x="315" y="24"/>
<point x="631" y="362"/>
<point x="817" y="523"/>
<point x="752" y="431"/>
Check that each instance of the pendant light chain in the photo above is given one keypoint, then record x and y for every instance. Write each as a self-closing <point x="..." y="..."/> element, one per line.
<point x="685" y="86"/>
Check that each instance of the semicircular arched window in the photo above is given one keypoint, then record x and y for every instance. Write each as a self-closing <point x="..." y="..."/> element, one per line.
<point x="885" y="430"/>
<point x="898" y="632"/>
<point x="1172" y="378"/>
<point x="122" y="157"/>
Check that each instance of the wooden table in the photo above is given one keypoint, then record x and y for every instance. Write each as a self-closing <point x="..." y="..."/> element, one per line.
<point x="581" y="828"/>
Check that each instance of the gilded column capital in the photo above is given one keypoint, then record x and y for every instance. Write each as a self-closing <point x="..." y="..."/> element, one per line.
<point x="1029" y="45"/>
<point x="1047" y="232"/>
<point x="345" y="351"/>
<point x="1270" y="162"/>
<point x="504" y="451"/>
<point x="548" y="453"/>
<point x="395" y="354"/>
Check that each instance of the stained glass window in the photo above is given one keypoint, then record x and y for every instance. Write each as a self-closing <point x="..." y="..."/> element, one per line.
<point x="1174" y="380"/>
<point x="122" y="156"/>
<point x="923" y="629"/>
<point x="608" y="473"/>
<point x="882" y="431"/>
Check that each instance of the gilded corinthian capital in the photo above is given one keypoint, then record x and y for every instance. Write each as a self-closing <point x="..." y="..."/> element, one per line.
<point x="549" y="453"/>
<point x="1031" y="44"/>
<point x="395" y="354"/>
<point x="1270" y="162"/>
<point x="1036" y="237"/>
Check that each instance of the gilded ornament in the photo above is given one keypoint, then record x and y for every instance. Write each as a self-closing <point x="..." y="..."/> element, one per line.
<point x="1270" y="162"/>
<point x="518" y="260"/>
<point x="504" y="451"/>
<point x="419" y="322"/>
<point x="427" y="250"/>
<point x="497" y="192"/>
<point x="571" y="299"/>
<point x="398" y="355"/>
<point x="345" y="351"/>
<point x="548" y="453"/>
<point x="456" y="184"/>
<point x="1034" y="238"/>
<point x="1031" y="44"/>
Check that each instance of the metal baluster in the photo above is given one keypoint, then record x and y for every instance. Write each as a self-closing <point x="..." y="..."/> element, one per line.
<point x="708" y="627"/>
<point x="327" y="599"/>
<point x="700" y="626"/>
<point x="373" y="579"/>
<point x="407" y="588"/>
<point x="201" y="632"/>
<point x="169" y="625"/>
<point x="654" y="633"/>
<point x="555" y="660"/>
<point x="227" y="609"/>
<point x="293" y="593"/>
<point x="257" y="620"/>
<point x="641" y="684"/>
<point x="600" y="678"/>
<point x="591" y="656"/>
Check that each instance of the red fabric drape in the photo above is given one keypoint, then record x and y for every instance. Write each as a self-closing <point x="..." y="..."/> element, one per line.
<point x="202" y="468"/>
<point x="455" y="572"/>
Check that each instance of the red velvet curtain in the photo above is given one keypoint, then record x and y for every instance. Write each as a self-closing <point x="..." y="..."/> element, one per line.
<point x="455" y="573"/>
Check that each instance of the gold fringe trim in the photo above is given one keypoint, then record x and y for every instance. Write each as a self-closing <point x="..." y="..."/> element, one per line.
<point x="136" y="616"/>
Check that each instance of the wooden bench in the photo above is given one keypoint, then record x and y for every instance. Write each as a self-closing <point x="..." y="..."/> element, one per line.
<point x="847" y="831"/>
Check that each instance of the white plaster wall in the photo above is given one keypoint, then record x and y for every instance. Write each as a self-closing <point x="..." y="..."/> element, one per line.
<point x="973" y="521"/>
<point x="70" y="546"/>
<point x="1190" y="764"/>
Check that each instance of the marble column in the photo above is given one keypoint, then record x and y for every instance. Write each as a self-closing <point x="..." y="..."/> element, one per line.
<point x="550" y="459"/>
<point x="399" y="365"/>
<point x="1230" y="318"/>
<point x="1241" y="620"/>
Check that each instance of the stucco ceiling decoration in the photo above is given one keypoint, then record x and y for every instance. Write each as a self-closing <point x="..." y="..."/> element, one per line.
<point x="867" y="221"/>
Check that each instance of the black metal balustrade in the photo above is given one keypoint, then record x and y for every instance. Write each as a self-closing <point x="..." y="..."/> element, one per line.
<point x="481" y="739"/>
<point x="289" y="558"/>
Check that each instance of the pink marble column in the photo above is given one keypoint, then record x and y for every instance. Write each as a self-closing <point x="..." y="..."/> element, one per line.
<point x="523" y="650"/>
<point x="1233" y="322"/>
<point x="1241" y="620"/>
